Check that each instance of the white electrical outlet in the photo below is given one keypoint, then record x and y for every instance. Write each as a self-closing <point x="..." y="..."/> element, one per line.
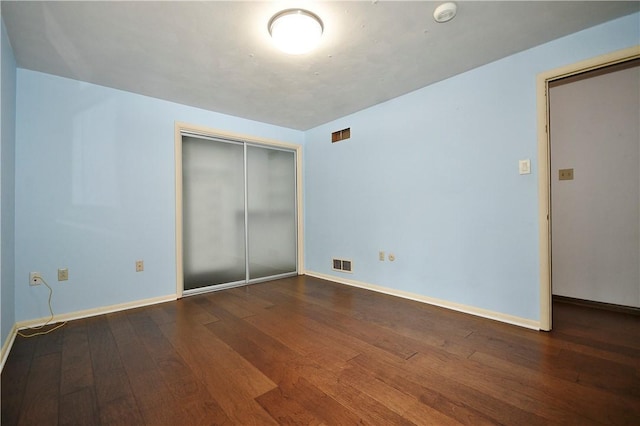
<point x="139" y="266"/>
<point x="381" y="256"/>
<point x="35" y="278"/>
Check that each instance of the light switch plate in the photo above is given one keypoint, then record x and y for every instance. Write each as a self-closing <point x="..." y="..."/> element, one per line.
<point x="524" y="167"/>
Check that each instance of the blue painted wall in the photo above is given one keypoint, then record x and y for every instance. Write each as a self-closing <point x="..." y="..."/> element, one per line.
<point x="95" y="191"/>
<point x="7" y="184"/>
<point x="432" y="177"/>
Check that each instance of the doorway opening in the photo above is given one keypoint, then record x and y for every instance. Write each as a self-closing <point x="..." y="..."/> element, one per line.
<point x="600" y="65"/>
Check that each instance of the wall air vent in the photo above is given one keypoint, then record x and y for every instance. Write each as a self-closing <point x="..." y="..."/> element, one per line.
<point x="342" y="265"/>
<point x="341" y="135"/>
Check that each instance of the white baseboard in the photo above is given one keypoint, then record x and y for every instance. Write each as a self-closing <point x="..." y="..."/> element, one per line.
<point x="484" y="313"/>
<point x="7" y="345"/>
<point x="95" y="311"/>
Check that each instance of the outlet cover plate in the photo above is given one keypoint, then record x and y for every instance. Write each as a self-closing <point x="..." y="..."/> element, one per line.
<point x="63" y="274"/>
<point x="565" y="174"/>
<point x="35" y="278"/>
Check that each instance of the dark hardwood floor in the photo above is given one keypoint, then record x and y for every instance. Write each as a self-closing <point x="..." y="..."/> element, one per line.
<point x="307" y="351"/>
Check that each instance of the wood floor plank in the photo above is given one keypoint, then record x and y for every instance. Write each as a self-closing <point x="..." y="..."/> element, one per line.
<point x="48" y="343"/>
<point x="79" y="408"/>
<point x="302" y="350"/>
<point x="14" y="379"/>
<point x="196" y="405"/>
<point x="263" y="352"/>
<point x="305" y="335"/>
<point x="231" y="303"/>
<point x="203" y="411"/>
<point x="23" y="348"/>
<point x="286" y="410"/>
<point x="373" y="406"/>
<point x="568" y="363"/>
<point x="41" y="396"/>
<point x="267" y="354"/>
<point x="161" y="313"/>
<point x="317" y="402"/>
<point x="190" y="310"/>
<point x="506" y="385"/>
<point x="115" y="398"/>
<point x="468" y="405"/>
<point x="594" y="405"/>
<point x="246" y="297"/>
<point x="155" y="401"/>
<point x="276" y="360"/>
<point x="384" y="309"/>
<point x="230" y="366"/>
<point x="77" y="369"/>
<point x="14" y="382"/>
<point x="116" y="402"/>
<point x="229" y="378"/>
<point x="436" y="410"/>
<point x="392" y="316"/>
<point x="600" y="326"/>
<point x="104" y="352"/>
<point x="587" y="346"/>
<point x="372" y="334"/>
<point x="164" y="312"/>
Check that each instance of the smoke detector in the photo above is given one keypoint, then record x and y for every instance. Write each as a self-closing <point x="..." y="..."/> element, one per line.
<point x="445" y="12"/>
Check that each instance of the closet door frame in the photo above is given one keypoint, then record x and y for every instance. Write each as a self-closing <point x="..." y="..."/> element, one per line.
<point x="193" y="130"/>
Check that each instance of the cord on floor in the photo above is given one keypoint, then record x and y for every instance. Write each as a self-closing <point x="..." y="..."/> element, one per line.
<point x="36" y="329"/>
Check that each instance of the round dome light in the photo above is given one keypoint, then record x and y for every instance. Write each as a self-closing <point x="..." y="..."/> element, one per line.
<point x="295" y="31"/>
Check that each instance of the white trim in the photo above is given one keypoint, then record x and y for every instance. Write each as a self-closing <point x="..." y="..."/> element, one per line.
<point x="181" y="127"/>
<point x="216" y="133"/>
<point x="8" y="344"/>
<point x="484" y="313"/>
<point x="544" y="182"/>
<point x="544" y="230"/>
<point x="178" y="201"/>
<point x="95" y="311"/>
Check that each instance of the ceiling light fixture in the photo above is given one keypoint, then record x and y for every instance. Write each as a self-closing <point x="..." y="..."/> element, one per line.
<point x="295" y="31"/>
<point x="445" y="12"/>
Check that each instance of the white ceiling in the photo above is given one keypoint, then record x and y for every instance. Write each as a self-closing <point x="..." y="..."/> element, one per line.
<point x="218" y="55"/>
